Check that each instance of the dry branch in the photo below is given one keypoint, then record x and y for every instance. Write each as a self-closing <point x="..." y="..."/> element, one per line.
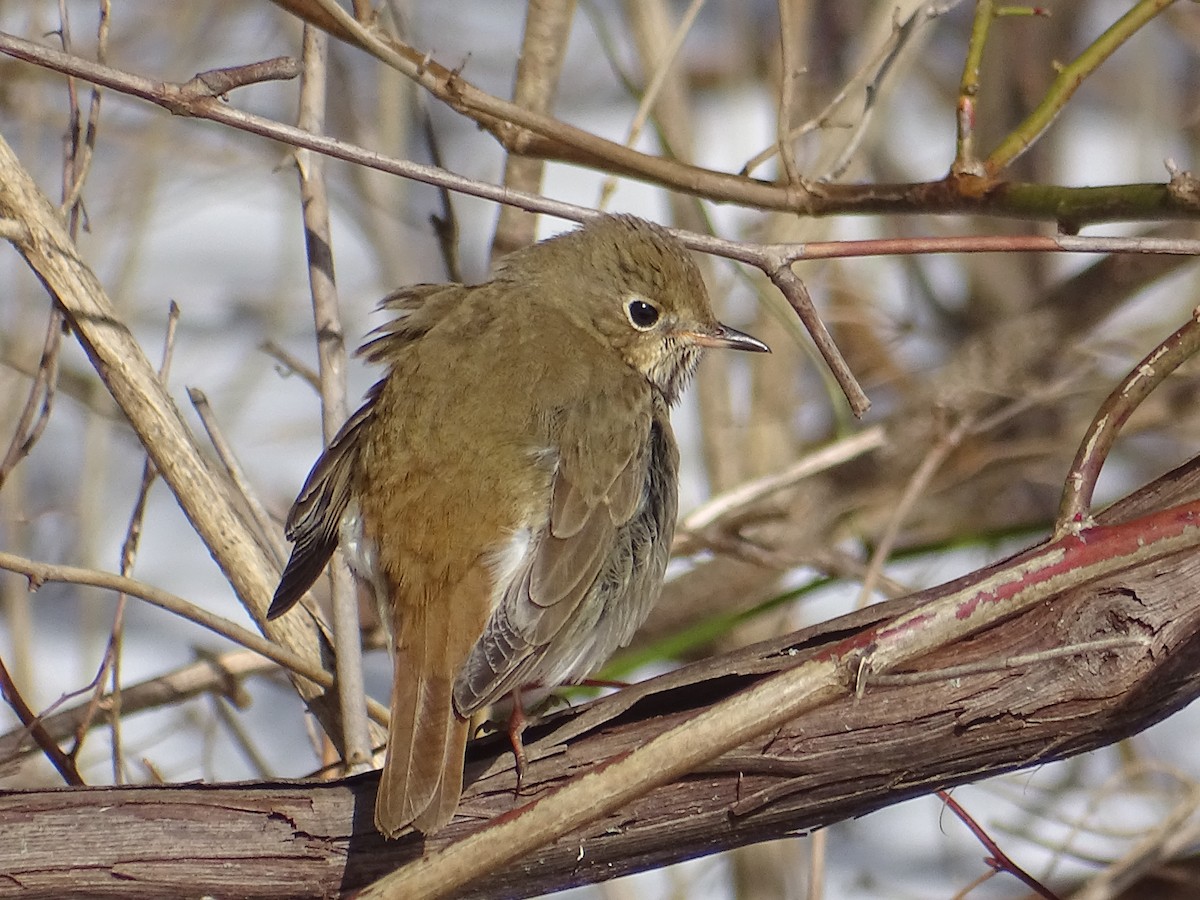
<point x="1070" y="207"/>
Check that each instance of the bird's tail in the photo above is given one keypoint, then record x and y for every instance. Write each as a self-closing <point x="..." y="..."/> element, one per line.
<point x="422" y="775"/>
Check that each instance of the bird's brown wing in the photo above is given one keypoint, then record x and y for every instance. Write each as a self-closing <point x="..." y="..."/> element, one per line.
<point x="630" y="578"/>
<point x="315" y="519"/>
<point x="598" y="487"/>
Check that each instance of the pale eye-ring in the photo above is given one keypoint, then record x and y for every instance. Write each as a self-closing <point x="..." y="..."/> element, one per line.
<point x="642" y="314"/>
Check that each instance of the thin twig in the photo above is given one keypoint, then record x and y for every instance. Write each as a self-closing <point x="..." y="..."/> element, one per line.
<point x="761" y="254"/>
<point x="999" y="860"/>
<point x="111" y="664"/>
<point x="241" y="738"/>
<point x="331" y="368"/>
<point x="797" y="295"/>
<point x="1068" y="80"/>
<point x="40" y="573"/>
<point x="61" y="761"/>
<point x="292" y="364"/>
<point x="1019" y="661"/>
<point x="40" y="400"/>
<point x="217" y="83"/>
<point x="965" y="160"/>
<point x="268" y="531"/>
<point x="445" y="223"/>
<point x="82" y="148"/>
<point x="1074" y="509"/>
<point x="930" y="463"/>
<point x="737" y="502"/>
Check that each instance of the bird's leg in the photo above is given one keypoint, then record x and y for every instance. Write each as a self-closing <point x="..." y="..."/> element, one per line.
<point x="516" y="727"/>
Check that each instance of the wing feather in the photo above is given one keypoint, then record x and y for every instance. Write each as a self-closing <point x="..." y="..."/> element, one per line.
<point x="314" y="521"/>
<point x="591" y="574"/>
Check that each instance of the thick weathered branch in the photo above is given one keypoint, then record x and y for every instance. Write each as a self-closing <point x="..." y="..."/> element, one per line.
<point x="1049" y="683"/>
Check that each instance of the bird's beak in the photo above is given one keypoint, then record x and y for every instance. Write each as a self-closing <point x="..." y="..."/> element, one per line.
<point x="722" y="336"/>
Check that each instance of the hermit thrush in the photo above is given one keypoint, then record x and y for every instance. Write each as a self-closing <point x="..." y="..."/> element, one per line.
<point x="508" y="489"/>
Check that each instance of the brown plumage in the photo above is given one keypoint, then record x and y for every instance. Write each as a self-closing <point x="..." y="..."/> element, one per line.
<point x="508" y="489"/>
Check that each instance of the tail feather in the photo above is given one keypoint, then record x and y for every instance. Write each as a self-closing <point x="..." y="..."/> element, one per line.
<point x="414" y="770"/>
<point x="423" y="772"/>
<point x="444" y="802"/>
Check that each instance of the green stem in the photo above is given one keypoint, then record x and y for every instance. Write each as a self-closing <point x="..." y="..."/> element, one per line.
<point x="1069" y="80"/>
<point x="965" y="161"/>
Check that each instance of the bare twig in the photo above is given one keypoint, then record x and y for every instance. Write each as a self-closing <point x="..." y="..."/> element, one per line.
<point x="111" y="664"/>
<point x="241" y="738"/>
<point x="999" y="860"/>
<point x="82" y="144"/>
<point x="268" y="531"/>
<point x="331" y="368"/>
<point x="543" y="49"/>
<point x="445" y="223"/>
<point x="1011" y="662"/>
<point x="734" y="504"/>
<point x="291" y="363"/>
<point x="1074" y="510"/>
<point x="40" y="399"/>
<point x="946" y="443"/>
<point x="61" y="761"/>
<point x="217" y="83"/>
<point x="983" y="243"/>
<point x="797" y="295"/>
<point x="1076" y="206"/>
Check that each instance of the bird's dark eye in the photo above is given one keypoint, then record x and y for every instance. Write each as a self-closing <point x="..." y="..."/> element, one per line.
<point x="642" y="315"/>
